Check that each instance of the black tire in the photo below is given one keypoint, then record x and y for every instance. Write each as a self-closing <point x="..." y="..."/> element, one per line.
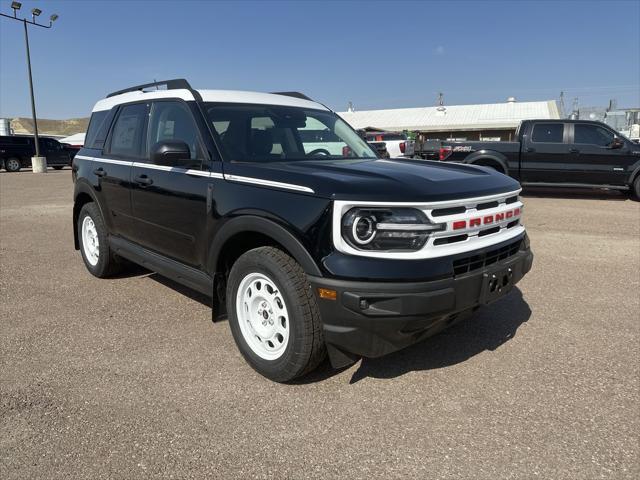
<point x="636" y="187"/>
<point x="107" y="264"/>
<point x="305" y="348"/>
<point x="58" y="167"/>
<point x="13" y="164"/>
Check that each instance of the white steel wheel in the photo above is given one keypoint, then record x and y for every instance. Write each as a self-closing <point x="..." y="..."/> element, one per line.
<point x="90" y="241"/>
<point x="262" y="316"/>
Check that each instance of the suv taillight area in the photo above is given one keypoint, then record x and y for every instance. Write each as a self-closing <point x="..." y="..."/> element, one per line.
<point x="444" y="153"/>
<point x="403" y="146"/>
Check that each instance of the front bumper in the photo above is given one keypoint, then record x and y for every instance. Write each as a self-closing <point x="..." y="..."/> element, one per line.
<point x="371" y="319"/>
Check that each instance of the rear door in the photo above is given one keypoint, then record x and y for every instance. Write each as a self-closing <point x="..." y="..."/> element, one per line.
<point x="545" y="154"/>
<point x="169" y="203"/>
<point x="598" y="162"/>
<point x="124" y="146"/>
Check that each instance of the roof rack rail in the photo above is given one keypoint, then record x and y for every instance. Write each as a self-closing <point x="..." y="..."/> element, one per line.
<point x="177" y="83"/>
<point x="293" y="94"/>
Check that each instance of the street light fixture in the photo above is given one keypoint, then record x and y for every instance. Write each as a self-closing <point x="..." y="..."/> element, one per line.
<point x="38" y="163"/>
<point x="16" y="6"/>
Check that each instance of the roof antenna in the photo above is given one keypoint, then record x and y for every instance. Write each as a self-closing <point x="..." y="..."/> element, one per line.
<point x="156" y="82"/>
<point x="441" y="108"/>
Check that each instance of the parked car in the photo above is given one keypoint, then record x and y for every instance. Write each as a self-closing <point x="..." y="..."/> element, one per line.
<point x="558" y="153"/>
<point x="398" y="144"/>
<point x="309" y="253"/>
<point x="16" y="152"/>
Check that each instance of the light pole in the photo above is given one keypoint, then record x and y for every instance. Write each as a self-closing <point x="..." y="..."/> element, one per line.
<point x="39" y="164"/>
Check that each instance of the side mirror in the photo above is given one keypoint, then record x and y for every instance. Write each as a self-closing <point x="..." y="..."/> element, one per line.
<point x="170" y="153"/>
<point x="617" y="143"/>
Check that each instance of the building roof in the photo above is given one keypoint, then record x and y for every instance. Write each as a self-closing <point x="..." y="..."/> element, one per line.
<point x="227" y="96"/>
<point x="454" y="117"/>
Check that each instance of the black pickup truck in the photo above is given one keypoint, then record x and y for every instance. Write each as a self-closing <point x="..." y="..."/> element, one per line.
<point x="558" y="153"/>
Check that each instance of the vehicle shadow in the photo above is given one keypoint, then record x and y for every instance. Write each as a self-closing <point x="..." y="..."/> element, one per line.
<point x="486" y="329"/>
<point x="575" y="193"/>
<point x="178" y="287"/>
<point x="134" y="270"/>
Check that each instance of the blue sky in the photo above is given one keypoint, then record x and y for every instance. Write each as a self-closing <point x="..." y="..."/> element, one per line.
<point x="375" y="54"/>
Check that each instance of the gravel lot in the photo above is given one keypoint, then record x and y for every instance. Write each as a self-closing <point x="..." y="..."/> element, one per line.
<point x="129" y="377"/>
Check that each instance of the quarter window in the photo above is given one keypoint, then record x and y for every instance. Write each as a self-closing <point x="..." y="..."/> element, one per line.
<point x="593" y="135"/>
<point x="126" y="139"/>
<point x="172" y="121"/>
<point x="548" y="133"/>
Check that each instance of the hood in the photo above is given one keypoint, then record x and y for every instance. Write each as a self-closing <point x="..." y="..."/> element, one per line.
<point x="387" y="180"/>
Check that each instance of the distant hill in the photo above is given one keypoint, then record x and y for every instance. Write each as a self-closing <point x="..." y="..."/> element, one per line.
<point x="50" y="127"/>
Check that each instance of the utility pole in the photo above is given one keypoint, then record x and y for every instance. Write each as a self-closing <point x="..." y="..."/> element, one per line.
<point x="38" y="163"/>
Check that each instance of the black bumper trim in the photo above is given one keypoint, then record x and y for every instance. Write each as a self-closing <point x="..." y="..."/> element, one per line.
<point x="371" y="319"/>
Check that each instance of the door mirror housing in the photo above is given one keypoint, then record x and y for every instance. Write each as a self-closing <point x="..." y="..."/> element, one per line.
<point x="617" y="143"/>
<point x="170" y="153"/>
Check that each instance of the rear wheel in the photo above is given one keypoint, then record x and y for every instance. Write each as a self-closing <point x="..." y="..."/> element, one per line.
<point x="273" y="315"/>
<point x="636" y="187"/>
<point x="12" y="164"/>
<point x="92" y="235"/>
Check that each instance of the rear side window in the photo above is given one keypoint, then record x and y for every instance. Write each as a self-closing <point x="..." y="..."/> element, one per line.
<point x="96" y="124"/>
<point x="128" y="131"/>
<point x="548" y="133"/>
<point x="593" y="135"/>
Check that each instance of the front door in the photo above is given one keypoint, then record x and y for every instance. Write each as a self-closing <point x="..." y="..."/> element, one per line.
<point x="169" y="203"/>
<point x="598" y="162"/>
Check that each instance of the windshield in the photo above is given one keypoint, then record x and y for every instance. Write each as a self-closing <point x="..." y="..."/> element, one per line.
<point x="270" y="133"/>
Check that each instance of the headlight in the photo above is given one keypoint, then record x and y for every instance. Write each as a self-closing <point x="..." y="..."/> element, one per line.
<point x="387" y="228"/>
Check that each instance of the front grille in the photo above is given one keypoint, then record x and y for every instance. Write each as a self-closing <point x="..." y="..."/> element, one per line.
<point x="475" y="262"/>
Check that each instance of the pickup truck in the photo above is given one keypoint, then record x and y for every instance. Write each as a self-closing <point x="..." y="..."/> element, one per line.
<point x="557" y="153"/>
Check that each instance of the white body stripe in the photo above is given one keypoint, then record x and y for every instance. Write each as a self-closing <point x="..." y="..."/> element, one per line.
<point x="201" y="173"/>
<point x="268" y="183"/>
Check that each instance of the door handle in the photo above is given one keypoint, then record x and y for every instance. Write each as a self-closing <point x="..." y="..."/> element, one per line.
<point x="574" y="150"/>
<point x="531" y="149"/>
<point x="143" y="180"/>
<point x="100" y="172"/>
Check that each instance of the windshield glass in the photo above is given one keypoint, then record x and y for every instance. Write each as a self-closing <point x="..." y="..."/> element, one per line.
<point x="271" y="133"/>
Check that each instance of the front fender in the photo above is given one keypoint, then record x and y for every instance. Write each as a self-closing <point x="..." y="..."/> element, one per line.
<point x="251" y="223"/>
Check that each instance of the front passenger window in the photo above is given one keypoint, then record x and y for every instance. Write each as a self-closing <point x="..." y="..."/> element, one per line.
<point x="593" y="135"/>
<point x="172" y="121"/>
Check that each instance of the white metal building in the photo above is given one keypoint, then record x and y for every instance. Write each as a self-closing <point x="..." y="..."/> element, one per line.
<point x="492" y="121"/>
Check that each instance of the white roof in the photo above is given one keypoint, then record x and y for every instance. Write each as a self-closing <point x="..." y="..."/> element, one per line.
<point x="454" y="117"/>
<point x="227" y="96"/>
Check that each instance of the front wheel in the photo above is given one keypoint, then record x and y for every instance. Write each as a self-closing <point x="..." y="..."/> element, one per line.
<point x="273" y="315"/>
<point x="636" y="187"/>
